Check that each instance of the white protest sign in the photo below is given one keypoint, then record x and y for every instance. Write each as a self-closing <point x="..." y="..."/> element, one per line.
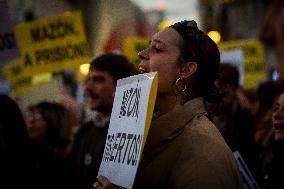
<point x="236" y="58"/>
<point x="249" y="180"/>
<point x="129" y="124"/>
<point x="252" y="70"/>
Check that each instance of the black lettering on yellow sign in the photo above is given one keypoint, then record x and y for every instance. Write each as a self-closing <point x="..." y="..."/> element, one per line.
<point x="57" y="54"/>
<point x="59" y="29"/>
<point x="16" y="70"/>
<point x="253" y="67"/>
<point x="7" y="41"/>
<point x="25" y="81"/>
<point x="251" y="51"/>
<point x="27" y="60"/>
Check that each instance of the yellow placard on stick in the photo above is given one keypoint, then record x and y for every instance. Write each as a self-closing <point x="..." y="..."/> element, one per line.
<point x="129" y="125"/>
<point x="253" y="59"/>
<point x="132" y="46"/>
<point x="51" y="44"/>
<point x="24" y="83"/>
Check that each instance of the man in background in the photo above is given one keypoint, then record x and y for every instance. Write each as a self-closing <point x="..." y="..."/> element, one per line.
<point x="235" y="122"/>
<point x="89" y="142"/>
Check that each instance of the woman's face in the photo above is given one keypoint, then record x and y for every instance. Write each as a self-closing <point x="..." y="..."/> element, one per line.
<point x="278" y="118"/>
<point x="162" y="56"/>
<point x="37" y="127"/>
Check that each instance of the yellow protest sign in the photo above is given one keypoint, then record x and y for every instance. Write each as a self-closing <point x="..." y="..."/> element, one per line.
<point x="13" y="70"/>
<point x="23" y="83"/>
<point x="253" y="59"/>
<point x="51" y="44"/>
<point x="132" y="46"/>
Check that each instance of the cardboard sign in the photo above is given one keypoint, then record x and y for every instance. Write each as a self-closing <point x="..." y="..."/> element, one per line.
<point x="51" y="44"/>
<point x="236" y="58"/>
<point x="249" y="180"/>
<point x="132" y="46"/>
<point x="8" y="46"/>
<point x="253" y="56"/>
<point x="129" y="124"/>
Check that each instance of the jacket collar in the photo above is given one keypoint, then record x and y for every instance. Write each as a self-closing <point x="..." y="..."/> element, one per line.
<point x="171" y="124"/>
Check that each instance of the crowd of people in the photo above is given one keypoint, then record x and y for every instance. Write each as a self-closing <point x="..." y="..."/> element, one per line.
<point x="202" y="115"/>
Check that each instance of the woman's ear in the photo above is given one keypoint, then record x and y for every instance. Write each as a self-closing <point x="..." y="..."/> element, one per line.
<point x="187" y="69"/>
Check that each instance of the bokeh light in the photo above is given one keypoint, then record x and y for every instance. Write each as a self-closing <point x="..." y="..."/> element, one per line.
<point x="215" y="36"/>
<point x="84" y="69"/>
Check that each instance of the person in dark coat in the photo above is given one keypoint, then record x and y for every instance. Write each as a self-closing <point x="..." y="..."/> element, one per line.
<point x="49" y="126"/>
<point x="235" y="122"/>
<point x="15" y="159"/>
<point x="89" y="142"/>
<point x="271" y="163"/>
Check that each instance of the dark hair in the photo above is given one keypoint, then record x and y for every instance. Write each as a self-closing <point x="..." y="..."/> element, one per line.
<point x="58" y="122"/>
<point x="198" y="47"/>
<point x="15" y="158"/>
<point x="267" y="91"/>
<point x="13" y="129"/>
<point x="229" y="74"/>
<point x="116" y="65"/>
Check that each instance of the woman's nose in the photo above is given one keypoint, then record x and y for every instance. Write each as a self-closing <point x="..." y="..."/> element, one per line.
<point x="88" y="80"/>
<point x="143" y="55"/>
<point x="88" y="88"/>
<point x="279" y="114"/>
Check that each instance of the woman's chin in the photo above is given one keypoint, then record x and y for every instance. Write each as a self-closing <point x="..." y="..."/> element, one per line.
<point x="279" y="135"/>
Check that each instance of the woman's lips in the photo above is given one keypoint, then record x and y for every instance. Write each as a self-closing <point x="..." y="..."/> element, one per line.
<point x="142" y="70"/>
<point x="278" y="126"/>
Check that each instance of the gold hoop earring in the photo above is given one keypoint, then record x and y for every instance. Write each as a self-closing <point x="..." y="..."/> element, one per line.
<point x="183" y="86"/>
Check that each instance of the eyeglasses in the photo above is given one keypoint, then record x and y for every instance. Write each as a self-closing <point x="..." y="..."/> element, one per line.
<point x="34" y="116"/>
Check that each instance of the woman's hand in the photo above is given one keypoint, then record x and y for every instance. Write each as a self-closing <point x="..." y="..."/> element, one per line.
<point x="103" y="183"/>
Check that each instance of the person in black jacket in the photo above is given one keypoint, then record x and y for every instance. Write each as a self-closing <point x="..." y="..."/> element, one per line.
<point x="89" y="142"/>
<point x="235" y="122"/>
<point x="15" y="163"/>
<point x="271" y="165"/>
<point x="49" y="126"/>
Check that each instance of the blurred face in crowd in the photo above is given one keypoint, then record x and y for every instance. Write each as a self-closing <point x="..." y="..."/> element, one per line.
<point x="37" y="127"/>
<point x="100" y="90"/>
<point x="278" y="118"/>
<point x="162" y="56"/>
<point x="271" y="31"/>
<point x="227" y="91"/>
